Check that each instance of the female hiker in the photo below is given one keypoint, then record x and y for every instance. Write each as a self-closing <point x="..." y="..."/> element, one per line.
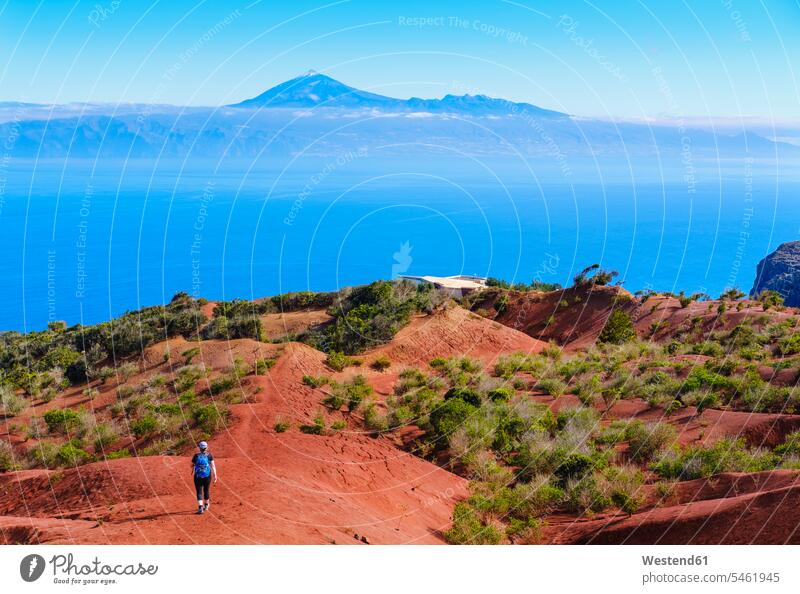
<point x="202" y="467"/>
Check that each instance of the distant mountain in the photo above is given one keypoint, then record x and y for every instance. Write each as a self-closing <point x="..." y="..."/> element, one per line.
<point x="315" y="115"/>
<point x="318" y="90"/>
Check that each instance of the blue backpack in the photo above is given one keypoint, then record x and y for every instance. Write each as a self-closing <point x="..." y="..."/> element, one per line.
<point x="202" y="467"/>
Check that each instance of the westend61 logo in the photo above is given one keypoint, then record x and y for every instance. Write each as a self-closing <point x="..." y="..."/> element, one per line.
<point x="67" y="571"/>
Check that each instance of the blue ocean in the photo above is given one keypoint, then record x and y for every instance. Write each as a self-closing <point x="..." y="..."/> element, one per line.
<point x="86" y="242"/>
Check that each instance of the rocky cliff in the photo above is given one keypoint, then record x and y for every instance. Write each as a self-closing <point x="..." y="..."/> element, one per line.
<point x="780" y="271"/>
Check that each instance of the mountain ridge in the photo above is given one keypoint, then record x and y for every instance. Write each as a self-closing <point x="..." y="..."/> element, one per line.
<point x="316" y="90"/>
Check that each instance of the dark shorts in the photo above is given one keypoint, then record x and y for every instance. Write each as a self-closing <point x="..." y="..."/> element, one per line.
<point x="203" y="487"/>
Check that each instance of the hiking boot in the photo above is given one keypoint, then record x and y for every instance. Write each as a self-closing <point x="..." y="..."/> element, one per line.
<point x="200" y="510"/>
<point x="207" y="506"/>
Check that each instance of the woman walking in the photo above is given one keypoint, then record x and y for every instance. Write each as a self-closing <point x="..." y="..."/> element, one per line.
<point x="202" y="468"/>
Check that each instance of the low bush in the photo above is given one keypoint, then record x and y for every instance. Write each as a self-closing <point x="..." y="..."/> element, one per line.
<point x="188" y="376"/>
<point x="646" y="441"/>
<point x="222" y="384"/>
<point x="790" y="446"/>
<point x="11" y="404"/>
<point x="373" y="420"/>
<point x="448" y="417"/>
<point x="316" y="381"/>
<point x="381" y="363"/>
<point x="789" y="345"/>
<point x="62" y="421"/>
<point x="70" y="454"/>
<point x="209" y="417"/>
<point x="624" y="486"/>
<point x="468" y="528"/>
<point x="44" y="454"/>
<point x="552" y="386"/>
<point x="8" y="460"/>
<point x="315" y="428"/>
<point x="117" y="454"/>
<point x="500" y="394"/>
<point x="726" y="455"/>
<point x="105" y="434"/>
<point x="338" y="361"/>
<point x="618" y="328"/>
<point x="702" y="399"/>
<point x="466" y="394"/>
<point x="145" y="426"/>
<point x="261" y="366"/>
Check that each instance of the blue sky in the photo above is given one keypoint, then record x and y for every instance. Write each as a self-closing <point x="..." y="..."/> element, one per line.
<point x="620" y="59"/>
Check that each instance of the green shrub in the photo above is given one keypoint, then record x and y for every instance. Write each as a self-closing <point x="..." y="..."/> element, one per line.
<point x="337" y="361"/>
<point x="316" y="428"/>
<point x="91" y="392"/>
<point x="373" y="420"/>
<point x="501" y="303"/>
<point x="11" y="404"/>
<point x="70" y="454"/>
<point x="552" y="386"/>
<point x="790" y="446"/>
<point x="144" y="427"/>
<point x="190" y="354"/>
<point x="508" y="365"/>
<point x="726" y="455"/>
<point x="702" y="399"/>
<point x="586" y="494"/>
<point x="302" y="300"/>
<point x="468" y="528"/>
<point x="381" y="363"/>
<point x="708" y="348"/>
<point x="281" y="426"/>
<point x="574" y="466"/>
<point x="357" y="390"/>
<point x="624" y="484"/>
<point x="789" y="345"/>
<point x="336" y="399"/>
<point x="209" y="417"/>
<point x="450" y="416"/>
<point x="466" y="394"/>
<point x="647" y="441"/>
<point x="188" y="376"/>
<point x="500" y="394"/>
<point x="614" y="433"/>
<point x="702" y="377"/>
<point x="117" y="454"/>
<point x="770" y="299"/>
<point x="618" y="328"/>
<point x="104" y="435"/>
<point x="160" y="447"/>
<point x="62" y="420"/>
<point x="528" y="531"/>
<point x="261" y="366"/>
<point x="44" y="454"/>
<point x="222" y="384"/>
<point x="372" y="314"/>
<point x="316" y="381"/>
<point x="125" y="391"/>
<point x="7" y="457"/>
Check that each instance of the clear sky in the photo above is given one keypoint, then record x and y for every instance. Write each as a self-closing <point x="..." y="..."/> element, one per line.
<point x="621" y="58"/>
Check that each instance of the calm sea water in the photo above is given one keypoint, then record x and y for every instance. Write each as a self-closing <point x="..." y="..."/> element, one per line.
<point x="84" y="246"/>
